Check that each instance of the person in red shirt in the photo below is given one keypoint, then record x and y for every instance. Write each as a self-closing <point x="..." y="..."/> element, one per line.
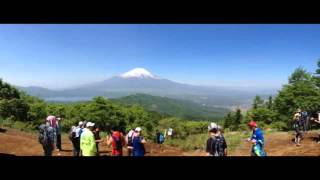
<point x="116" y="141"/>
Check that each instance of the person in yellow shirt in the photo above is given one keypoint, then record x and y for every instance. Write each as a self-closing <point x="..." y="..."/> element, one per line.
<point x="87" y="141"/>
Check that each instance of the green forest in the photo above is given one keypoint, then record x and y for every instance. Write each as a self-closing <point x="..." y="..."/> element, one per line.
<point x="302" y="91"/>
<point x="173" y="107"/>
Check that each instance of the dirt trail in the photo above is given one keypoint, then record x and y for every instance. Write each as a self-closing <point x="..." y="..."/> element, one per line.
<point x="15" y="142"/>
<point x="281" y="144"/>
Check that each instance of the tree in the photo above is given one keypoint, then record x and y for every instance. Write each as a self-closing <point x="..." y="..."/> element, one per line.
<point x="316" y="77"/>
<point x="257" y="102"/>
<point x="269" y="103"/>
<point x="228" y="121"/>
<point x="237" y="119"/>
<point x="301" y="92"/>
<point x="299" y="75"/>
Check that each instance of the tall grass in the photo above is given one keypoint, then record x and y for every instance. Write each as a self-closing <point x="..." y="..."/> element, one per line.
<point x="198" y="141"/>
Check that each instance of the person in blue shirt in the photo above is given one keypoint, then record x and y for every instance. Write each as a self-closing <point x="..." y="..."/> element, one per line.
<point x="256" y="139"/>
<point x="138" y="143"/>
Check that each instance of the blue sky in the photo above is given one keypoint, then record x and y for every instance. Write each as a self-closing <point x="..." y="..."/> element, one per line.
<point x="58" y="56"/>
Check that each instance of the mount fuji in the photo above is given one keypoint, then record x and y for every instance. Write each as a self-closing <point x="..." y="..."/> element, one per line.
<point x="140" y="80"/>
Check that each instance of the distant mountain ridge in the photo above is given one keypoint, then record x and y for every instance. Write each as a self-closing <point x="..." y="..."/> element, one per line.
<point x="140" y="80"/>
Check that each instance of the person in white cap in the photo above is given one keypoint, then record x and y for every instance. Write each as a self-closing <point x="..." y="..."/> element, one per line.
<point x="138" y="143"/>
<point x="87" y="141"/>
<point x="216" y="144"/>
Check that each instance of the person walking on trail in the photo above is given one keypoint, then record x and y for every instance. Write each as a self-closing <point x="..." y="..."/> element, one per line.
<point x="138" y="143"/>
<point x="129" y="140"/>
<point x="78" y="131"/>
<point x="216" y="144"/>
<point x="58" y="134"/>
<point x="46" y="138"/>
<point x="304" y="120"/>
<point x="72" y="138"/>
<point x="317" y="120"/>
<point x="97" y="138"/>
<point x="296" y="127"/>
<point x="52" y="120"/>
<point x="256" y="139"/>
<point x="87" y="142"/>
<point x="117" y="142"/>
<point x="159" y="137"/>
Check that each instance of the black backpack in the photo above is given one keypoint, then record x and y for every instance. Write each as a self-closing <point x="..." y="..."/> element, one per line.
<point x="130" y="140"/>
<point x="118" y="143"/>
<point x="43" y="135"/>
<point x="217" y="146"/>
<point x="72" y="135"/>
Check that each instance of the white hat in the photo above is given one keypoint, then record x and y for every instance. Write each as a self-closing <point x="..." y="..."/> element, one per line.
<point x="90" y="124"/>
<point x="80" y="123"/>
<point x="212" y="126"/>
<point x="138" y="129"/>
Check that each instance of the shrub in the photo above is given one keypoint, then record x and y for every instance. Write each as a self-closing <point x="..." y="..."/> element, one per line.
<point x="279" y="125"/>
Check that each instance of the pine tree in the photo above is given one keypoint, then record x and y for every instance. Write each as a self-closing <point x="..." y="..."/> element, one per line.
<point x="257" y="102"/>
<point x="228" y="121"/>
<point x="237" y="119"/>
<point x="270" y="103"/>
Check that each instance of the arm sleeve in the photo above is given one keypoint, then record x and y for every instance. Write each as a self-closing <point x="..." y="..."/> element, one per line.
<point x="93" y="142"/>
<point x="224" y="143"/>
<point x="208" y="145"/>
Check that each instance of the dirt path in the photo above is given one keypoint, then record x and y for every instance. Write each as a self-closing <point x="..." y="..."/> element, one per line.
<point x="281" y="144"/>
<point x="15" y="142"/>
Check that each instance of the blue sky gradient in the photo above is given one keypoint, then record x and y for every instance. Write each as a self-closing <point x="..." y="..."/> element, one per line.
<point x="58" y="56"/>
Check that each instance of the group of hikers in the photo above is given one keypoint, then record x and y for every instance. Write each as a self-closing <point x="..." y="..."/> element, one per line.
<point x="85" y="137"/>
<point x="217" y="146"/>
<point x="301" y="121"/>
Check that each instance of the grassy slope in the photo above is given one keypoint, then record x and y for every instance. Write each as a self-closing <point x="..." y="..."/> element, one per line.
<point x="172" y="107"/>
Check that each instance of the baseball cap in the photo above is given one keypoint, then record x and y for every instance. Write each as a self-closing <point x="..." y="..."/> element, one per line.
<point x="212" y="126"/>
<point x="90" y="124"/>
<point x="80" y="123"/>
<point x="138" y="129"/>
<point x="252" y="124"/>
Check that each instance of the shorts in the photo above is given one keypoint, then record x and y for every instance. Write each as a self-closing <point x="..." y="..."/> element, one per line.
<point x="298" y="132"/>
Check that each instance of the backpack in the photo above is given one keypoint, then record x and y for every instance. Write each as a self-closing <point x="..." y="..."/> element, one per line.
<point x="118" y="143"/>
<point x="130" y="140"/>
<point x="43" y="135"/>
<point x="161" y="138"/>
<point x="217" y="146"/>
<point x="72" y="135"/>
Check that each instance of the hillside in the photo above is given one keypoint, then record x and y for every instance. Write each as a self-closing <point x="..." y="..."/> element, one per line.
<point x="173" y="107"/>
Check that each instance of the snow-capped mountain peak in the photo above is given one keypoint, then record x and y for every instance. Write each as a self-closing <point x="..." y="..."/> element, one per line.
<point x="138" y="73"/>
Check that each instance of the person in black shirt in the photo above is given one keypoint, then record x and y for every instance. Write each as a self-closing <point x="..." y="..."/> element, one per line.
<point x="97" y="138"/>
<point x="216" y="144"/>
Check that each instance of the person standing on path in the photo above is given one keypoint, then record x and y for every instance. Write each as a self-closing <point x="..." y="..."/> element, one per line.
<point x="117" y="142"/>
<point x="129" y="140"/>
<point x="216" y="144"/>
<point x="296" y="127"/>
<point x="58" y="134"/>
<point x="78" y="131"/>
<point x="97" y="138"/>
<point x="256" y="139"/>
<point x="46" y="138"/>
<point x="138" y="143"/>
<point x="87" y="142"/>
